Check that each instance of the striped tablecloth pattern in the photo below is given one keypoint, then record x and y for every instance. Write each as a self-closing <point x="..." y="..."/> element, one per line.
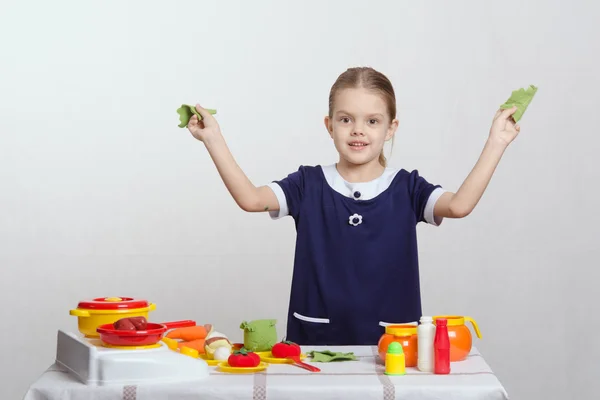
<point x="362" y="379"/>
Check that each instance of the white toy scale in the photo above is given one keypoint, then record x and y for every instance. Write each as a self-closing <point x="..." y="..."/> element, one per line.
<point x="96" y="365"/>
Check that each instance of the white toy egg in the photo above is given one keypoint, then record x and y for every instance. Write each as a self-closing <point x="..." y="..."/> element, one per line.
<point x="222" y="353"/>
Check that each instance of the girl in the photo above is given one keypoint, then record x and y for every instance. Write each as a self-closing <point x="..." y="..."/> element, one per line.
<point x="356" y="265"/>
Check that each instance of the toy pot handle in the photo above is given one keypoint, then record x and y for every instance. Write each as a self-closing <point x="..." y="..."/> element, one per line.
<point x="79" y="313"/>
<point x="472" y="321"/>
<point x="179" y="324"/>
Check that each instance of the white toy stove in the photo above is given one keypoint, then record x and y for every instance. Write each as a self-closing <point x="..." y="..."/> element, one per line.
<point x="94" y="364"/>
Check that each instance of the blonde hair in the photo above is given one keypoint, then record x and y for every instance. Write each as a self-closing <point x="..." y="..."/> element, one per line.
<point x="367" y="78"/>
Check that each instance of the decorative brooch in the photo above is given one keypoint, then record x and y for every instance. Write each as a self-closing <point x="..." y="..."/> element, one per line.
<point x="355" y="220"/>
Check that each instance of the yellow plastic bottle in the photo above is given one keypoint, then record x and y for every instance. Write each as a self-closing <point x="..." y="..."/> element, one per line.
<point x="395" y="363"/>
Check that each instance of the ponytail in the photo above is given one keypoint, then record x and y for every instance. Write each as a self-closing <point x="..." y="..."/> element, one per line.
<point x="382" y="159"/>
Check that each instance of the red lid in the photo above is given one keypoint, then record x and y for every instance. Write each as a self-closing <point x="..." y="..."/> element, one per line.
<point x="441" y="322"/>
<point x="113" y="303"/>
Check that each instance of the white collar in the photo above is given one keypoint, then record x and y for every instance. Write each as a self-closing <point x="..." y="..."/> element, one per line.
<point x="358" y="190"/>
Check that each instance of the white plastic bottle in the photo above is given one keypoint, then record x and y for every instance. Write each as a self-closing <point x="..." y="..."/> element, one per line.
<point x="425" y="337"/>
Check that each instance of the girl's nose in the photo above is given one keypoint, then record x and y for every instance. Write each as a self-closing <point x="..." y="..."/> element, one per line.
<point x="358" y="131"/>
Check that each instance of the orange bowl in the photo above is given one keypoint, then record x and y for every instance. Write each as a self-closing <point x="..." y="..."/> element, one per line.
<point x="406" y="335"/>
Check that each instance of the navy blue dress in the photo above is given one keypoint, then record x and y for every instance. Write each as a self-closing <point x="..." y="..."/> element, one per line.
<point x="356" y="264"/>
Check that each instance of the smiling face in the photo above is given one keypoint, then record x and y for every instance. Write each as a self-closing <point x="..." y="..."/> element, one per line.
<point x="360" y="125"/>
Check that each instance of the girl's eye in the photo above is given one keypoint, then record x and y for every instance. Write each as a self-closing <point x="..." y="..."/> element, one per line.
<point x="345" y="120"/>
<point x="373" y="121"/>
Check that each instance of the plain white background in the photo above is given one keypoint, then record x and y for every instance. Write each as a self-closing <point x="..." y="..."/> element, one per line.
<point x="101" y="194"/>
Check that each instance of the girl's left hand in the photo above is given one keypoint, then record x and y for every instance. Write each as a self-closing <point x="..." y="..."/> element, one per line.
<point x="504" y="128"/>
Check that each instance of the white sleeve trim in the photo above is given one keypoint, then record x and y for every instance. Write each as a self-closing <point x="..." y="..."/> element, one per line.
<point x="429" y="207"/>
<point x="283" y="208"/>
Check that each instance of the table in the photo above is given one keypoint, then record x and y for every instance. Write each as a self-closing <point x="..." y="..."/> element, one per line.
<point x="362" y="379"/>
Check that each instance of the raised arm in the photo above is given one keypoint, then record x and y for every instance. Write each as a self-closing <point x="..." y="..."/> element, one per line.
<point x="247" y="196"/>
<point x="460" y="204"/>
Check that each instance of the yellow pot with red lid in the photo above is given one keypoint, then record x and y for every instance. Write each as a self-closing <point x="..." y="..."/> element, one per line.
<point x="106" y="310"/>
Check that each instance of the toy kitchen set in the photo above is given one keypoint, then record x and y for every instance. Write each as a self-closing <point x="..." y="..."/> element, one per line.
<point x="104" y="353"/>
<point x="117" y="344"/>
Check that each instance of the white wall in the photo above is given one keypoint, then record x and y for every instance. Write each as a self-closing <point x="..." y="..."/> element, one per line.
<point x="102" y="194"/>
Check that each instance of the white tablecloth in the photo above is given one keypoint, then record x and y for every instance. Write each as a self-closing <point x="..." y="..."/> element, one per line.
<point x="362" y="379"/>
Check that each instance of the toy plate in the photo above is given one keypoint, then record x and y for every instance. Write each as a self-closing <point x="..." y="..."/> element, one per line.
<point x="224" y="366"/>
<point x="267" y="356"/>
<point x="211" y="362"/>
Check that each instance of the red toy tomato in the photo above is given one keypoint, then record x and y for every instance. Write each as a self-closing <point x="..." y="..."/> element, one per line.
<point x="285" y="349"/>
<point x="243" y="359"/>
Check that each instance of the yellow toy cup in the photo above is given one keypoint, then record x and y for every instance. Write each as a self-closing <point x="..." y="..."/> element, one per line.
<point x="394" y="360"/>
<point x="107" y="310"/>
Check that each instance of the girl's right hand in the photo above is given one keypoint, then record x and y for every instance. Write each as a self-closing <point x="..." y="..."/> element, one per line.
<point x="205" y="129"/>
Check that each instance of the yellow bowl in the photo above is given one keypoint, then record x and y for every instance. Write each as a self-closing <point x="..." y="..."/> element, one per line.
<point x="88" y="319"/>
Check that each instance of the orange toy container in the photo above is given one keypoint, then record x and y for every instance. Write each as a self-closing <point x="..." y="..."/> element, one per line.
<point x="406" y="335"/>
<point x="460" y="335"/>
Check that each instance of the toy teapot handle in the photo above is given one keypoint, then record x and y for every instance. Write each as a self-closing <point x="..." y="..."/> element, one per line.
<point x="472" y="321"/>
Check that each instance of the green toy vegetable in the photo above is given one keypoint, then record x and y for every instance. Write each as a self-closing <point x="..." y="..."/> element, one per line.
<point x="185" y="114"/>
<point x="259" y="335"/>
<point x="520" y="98"/>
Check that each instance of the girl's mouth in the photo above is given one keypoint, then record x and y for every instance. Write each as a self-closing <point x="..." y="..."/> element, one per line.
<point x="358" y="145"/>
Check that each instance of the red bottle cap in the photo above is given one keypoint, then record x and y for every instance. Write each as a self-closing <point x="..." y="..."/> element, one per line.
<point x="441" y="322"/>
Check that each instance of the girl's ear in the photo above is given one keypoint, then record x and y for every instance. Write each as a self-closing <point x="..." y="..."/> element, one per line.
<point x="392" y="129"/>
<point x="328" y="125"/>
